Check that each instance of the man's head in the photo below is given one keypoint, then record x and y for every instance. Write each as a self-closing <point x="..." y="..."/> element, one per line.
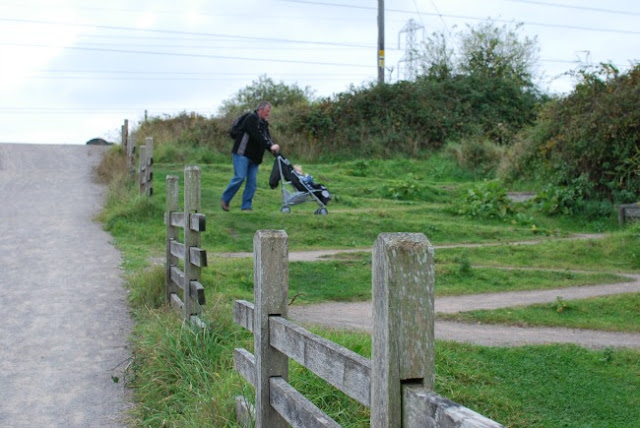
<point x="264" y="109"/>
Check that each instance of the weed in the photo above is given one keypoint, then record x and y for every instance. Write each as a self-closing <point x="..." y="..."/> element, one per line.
<point x="464" y="265"/>
<point x="561" y="305"/>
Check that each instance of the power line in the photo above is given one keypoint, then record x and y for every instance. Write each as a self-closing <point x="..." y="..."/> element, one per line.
<point x="182" y="73"/>
<point x="473" y="18"/>
<point x="188" y="33"/>
<point x="190" y="55"/>
<point x="567" y="6"/>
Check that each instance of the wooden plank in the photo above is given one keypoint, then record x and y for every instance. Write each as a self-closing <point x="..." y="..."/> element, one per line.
<point x="295" y="408"/>
<point x="197" y="292"/>
<point x="177" y="249"/>
<point x="341" y="367"/>
<point x="245" y="412"/>
<point x="197" y="222"/>
<point x="245" y="364"/>
<point x="424" y="408"/>
<point x="177" y="277"/>
<point x="176" y="302"/>
<point x="198" y="256"/>
<point x="177" y="219"/>
<point x="197" y="322"/>
<point x="243" y="314"/>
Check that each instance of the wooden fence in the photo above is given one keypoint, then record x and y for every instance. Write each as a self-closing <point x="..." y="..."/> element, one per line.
<point x="183" y="288"/>
<point x="396" y="384"/>
<point x="145" y="169"/>
<point x="129" y="146"/>
<point x="627" y="212"/>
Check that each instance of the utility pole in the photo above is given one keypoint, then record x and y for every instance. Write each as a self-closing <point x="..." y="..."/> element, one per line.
<point x="380" y="41"/>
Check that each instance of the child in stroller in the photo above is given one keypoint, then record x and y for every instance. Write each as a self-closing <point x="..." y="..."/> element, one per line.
<point x="305" y="189"/>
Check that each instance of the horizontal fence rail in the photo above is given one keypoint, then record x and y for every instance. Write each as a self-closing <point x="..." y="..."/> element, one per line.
<point x="397" y="384"/>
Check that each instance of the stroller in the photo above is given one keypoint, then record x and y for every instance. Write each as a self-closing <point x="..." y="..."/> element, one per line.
<point x="303" y="191"/>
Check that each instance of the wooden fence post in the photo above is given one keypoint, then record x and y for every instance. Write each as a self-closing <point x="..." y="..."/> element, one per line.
<point x="172" y="205"/>
<point x="142" y="173"/>
<point x="124" y="136"/>
<point x="148" y="179"/>
<point x="403" y="323"/>
<point x="271" y="286"/>
<point x="191" y="238"/>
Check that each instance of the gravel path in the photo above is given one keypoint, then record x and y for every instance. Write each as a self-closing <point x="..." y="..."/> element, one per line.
<point x="64" y="320"/>
<point x="358" y="316"/>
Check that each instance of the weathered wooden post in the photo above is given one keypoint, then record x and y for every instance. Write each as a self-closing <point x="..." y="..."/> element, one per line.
<point x="172" y="205"/>
<point x="142" y="174"/>
<point x="403" y="323"/>
<point x="191" y="238"/>
<point x="149" y="167"/>
<point x="124" y="135"/>
<point x="271" y="286"/>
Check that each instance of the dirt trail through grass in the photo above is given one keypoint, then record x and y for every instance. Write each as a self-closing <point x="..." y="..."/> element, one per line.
<point x="358" y="316"/>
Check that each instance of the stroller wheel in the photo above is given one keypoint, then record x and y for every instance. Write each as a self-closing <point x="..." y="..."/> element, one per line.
<point x="285" y="209"/>
<point x="322" y="211"/>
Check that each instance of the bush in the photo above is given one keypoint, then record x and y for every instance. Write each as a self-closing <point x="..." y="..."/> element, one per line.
<point x="479" y="155"/>
<point x="594" y="134"/>
<point x="485" y="200"/>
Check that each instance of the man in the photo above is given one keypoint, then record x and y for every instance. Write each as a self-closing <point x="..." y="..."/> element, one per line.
<point x="248" y="150"/>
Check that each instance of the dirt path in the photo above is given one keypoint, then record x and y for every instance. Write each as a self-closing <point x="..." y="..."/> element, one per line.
<point x="358" y="316"/>
<point x="64" y="322"/>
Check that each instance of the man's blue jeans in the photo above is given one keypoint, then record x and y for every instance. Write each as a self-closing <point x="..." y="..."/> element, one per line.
<point x="243" y="168"/>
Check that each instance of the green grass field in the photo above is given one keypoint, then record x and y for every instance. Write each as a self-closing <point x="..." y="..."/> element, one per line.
<point x="186" y="379"/>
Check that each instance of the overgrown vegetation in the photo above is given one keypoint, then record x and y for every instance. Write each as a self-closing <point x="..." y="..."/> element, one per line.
<point x="588" y="142"/>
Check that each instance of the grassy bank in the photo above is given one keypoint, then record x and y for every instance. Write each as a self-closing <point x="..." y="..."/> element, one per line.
<point x="182" y="378"/>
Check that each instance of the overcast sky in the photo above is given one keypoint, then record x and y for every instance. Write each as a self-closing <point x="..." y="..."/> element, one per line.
<point x="73" y="70"/>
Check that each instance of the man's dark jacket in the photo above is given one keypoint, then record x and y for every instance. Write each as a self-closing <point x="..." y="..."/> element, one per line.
<point x="254" y="138"/>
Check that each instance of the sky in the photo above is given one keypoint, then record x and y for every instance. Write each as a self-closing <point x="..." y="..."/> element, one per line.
<point x="73" y="70"/>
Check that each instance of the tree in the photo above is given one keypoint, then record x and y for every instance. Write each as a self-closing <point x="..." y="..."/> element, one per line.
<point x="278" y="94"/>
<point x="438" y="57"/>
<point x="492" y="51"/>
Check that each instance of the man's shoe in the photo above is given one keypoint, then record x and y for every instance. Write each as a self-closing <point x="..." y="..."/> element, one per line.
<point x="224" y="205"/>
<point x="247" y="209"/>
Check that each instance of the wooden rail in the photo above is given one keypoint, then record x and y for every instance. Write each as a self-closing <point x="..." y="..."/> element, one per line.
<point x="396" y="384"/>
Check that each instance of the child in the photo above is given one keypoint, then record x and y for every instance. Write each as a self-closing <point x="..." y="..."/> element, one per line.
<point x="305" y="178"/>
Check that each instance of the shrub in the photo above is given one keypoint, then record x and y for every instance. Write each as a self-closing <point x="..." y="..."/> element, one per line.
<point x="594" y="134"/>
<point x="485" y="200"/>
<point x="479" y="155"/>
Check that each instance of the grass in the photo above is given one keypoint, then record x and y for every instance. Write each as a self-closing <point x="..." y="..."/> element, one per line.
<point x="183" y="378"/>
